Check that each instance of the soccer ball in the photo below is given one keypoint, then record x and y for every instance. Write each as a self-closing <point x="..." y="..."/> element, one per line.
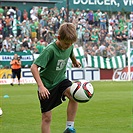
<point x="82" y="91"/>
<point x="1" y="112"/>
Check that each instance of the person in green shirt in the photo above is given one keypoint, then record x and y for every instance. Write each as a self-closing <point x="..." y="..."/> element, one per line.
<point x="18" y="24"/>
<point x="33" y="30"/>
<point x="53" y="85"/>
<point x="94" y="37"/>
<point x="40" y="46"/>
<point x="1" y="10"/>
<point x="96" y="19"/>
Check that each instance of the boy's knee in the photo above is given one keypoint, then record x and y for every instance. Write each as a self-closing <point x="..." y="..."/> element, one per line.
<point x="46" y="118"/>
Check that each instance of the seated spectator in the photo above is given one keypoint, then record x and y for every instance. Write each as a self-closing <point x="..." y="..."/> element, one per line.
<point x="124" y="34"/>
<point x="110" y="51"/>
<point x="102" y="48"/>
<point x="16" y="47"/>
<point x="6" y="42"/>
<point x="108" y="39"/>
<point x="89" y="49"/>
<point x="102" y="35"/>
<point x="40" y="46"/>
<point x="96" y="49"/>
<point x="94" y="37"/>
<point x="131" y="33"/>
<point x="4" y="48"/>
<point x="119" y="37"/>
<point x="86" y="36"/>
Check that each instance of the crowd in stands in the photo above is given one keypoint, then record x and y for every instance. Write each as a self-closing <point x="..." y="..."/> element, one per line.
<point x="98" y="32"/>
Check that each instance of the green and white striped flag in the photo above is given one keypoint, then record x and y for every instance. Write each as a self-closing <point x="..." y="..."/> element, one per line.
<point x="131" y="58"/>
<point x="106" y="63"/>
<point x="79" y="54"/>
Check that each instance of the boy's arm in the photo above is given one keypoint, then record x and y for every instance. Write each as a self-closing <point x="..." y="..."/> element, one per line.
<point x="75" y="62"/>
<point x="43" y="91"/>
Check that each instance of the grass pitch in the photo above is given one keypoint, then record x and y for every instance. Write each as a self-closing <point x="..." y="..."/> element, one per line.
<point x="109" y="111"/>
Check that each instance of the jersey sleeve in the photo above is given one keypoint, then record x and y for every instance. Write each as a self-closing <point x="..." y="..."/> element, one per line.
<point x="44" y="58"/>
<point x="72" y="53"/>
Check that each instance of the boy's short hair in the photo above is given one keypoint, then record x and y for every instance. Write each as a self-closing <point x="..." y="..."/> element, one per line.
<point x="67" y="32"/>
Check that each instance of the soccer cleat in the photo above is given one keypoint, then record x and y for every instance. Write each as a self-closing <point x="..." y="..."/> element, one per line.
<point x="70" y="130"/>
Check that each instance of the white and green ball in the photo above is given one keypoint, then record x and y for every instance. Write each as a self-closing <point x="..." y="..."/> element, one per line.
<point x="1" y="112"/>
<point x="82" y="91"/>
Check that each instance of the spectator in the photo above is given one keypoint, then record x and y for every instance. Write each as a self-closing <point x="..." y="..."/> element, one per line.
<point x="96" y="19"/>
<point x="25" y="14"/>
<point x="119" y="36"/>
<point x="80" y="36"/>
<point x="102" y="49"/>
<point x="90" y="17"/>
<point x="131" y="33"/>
<point x="103" y="22"/>
<point x="33" y="13"/>
<point x="11" y="12"/>
<point x="108" y="39"/>
<point x="102" y="35"/>
<point x="8" y="25"/>
<point x="18" y="24"/>
<point x="99" y="13"/>
<point x="40" y="46"/>
<point x="118" y="16"/>
<point x="4" y="48"/>
<point x="86" y="36"/>
<point x="16" y="69"/>
<point x="124" y="34"/>
<point x="94" y="37"/>
<point x="18" y="14"/>
<point x="1" y="10"/>
<point x="33" y="30"/>
<point x="6" y="42"/>
<point x="5" y="11"/>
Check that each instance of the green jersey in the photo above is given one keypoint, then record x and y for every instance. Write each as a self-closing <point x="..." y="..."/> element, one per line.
<point x="52" y="62"/>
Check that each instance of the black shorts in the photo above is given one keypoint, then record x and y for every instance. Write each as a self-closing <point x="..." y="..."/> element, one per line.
<point x="56" y="96"/>
<point x="16" y="72"/>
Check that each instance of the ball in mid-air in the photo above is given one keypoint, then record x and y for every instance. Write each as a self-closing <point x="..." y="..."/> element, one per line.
<point x="82" y="91"/>
<point x="1" y="112"/>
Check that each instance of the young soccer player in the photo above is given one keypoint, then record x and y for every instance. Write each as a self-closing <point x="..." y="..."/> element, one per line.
<point x="52" y="83"/>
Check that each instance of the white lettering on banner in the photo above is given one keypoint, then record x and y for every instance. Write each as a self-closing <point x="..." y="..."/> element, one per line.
<point x="96" y="2"/>
<point x="122" y="74"/>
<point x="128" y="2"/>
<point x="6" y="57"/>
<point x="73" y="74"/>
<point x="99" y="3"/>
<point x="26" y="73"/>
<point x="83" y="74"/>
<point x="22" y="81"/>
<point x="10" y="57"/>
<point x="107" y="2"/>
<point x="102" y="2"/>
<point x="27" y="58"/>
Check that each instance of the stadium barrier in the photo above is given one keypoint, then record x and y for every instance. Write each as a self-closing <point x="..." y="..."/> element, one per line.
<point x="90" y="74"/>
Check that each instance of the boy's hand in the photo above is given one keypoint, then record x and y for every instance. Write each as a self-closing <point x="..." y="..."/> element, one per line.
<point x="77" y="64"/>
<point x="43" y="93"/>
